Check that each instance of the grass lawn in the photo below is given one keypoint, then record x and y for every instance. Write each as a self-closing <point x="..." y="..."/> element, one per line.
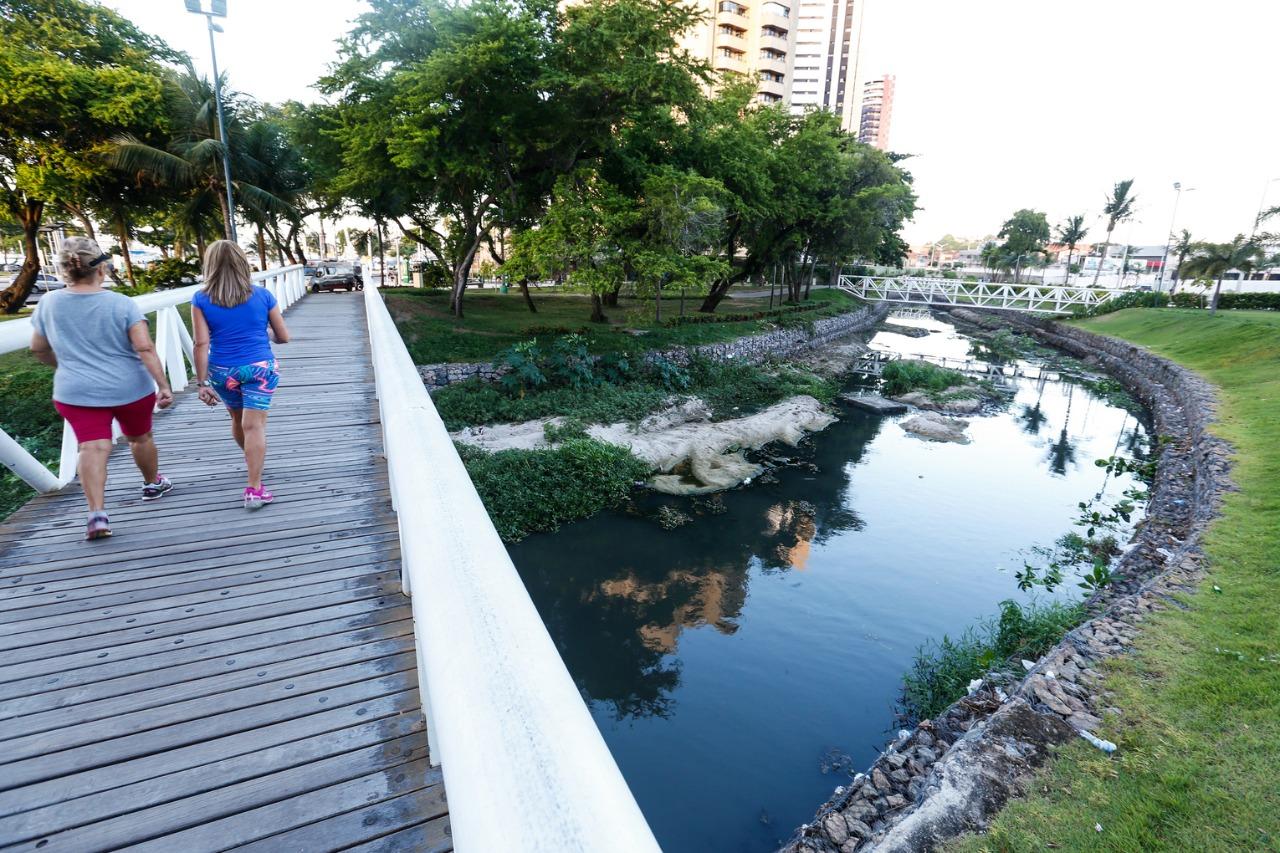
<point x="495" y="321"/>
<point x="1198" y="766"/>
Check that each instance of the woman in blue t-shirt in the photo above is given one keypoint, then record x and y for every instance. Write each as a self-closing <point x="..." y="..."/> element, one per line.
<point x="234" y="361"/>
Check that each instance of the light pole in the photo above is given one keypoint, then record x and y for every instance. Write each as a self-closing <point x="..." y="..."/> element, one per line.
<point x="1164" y="262"/>
<point x="1261" y="206"/>
<point x="218" y="9"/>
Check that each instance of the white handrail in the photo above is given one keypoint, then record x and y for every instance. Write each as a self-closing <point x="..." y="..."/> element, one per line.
<point x="173" y="346"/>
<point x="525" y="766"/>
<point x="1053" y="298"/>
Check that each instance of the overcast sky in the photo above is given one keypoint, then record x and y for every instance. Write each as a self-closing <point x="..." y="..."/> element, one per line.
<point x="1003" y="103"/>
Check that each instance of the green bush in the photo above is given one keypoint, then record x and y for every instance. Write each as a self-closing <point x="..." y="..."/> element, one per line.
<point x="1189" y="300"/>
<point x="1133" y="299"/>
<point x="476" y="402"/>
<point x="170" y="272"/>
<point x="531" y="491"/>
<point x="740" y="317"/>
<point x="665" y="373"/>
<point x="1249" y="301"/>
<point x="27" y="414"/>
<point x="901" y="377"/>
<point x="733" y="389"/>
<point x="942" y="671"/>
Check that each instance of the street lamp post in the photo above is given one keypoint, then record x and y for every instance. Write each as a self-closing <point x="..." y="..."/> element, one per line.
<point x="1164" y="262"/>
<point x="218" y="9"/>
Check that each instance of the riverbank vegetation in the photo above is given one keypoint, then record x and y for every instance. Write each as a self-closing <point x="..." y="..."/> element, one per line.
<point x="1199" y="728"/>
<point x="26" y="413"/>
<point x="904" y="376"/>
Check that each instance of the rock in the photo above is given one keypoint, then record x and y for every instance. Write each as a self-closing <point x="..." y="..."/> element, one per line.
<point x="925" y="755"/>
<point x="901" y="777"/>
<point x="895" y="801"/>
<point x="859" y="827"/>
<point x="834" y="825"/>
<point x="872" y="403"/>
<point x="851" y="845"/>
<point x="880" y="780"/>
<point x="934" y="426"/>
<point x="896" y="760"/>
<point x="858" y="813"/>
<point x="669" y="518"/>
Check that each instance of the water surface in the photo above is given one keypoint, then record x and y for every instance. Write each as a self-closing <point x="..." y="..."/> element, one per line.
<point x="729" y="661"/>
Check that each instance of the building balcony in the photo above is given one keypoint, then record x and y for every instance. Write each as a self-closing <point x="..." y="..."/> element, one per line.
<point x="734" y="64"/>
<point x="735" y="33"/>
<point x="774" y="43"/>
<point x="771" y="88"/>
<point x="776" y="63"/>
<point x="776" y="21"/>
<point x="732" y="10"/>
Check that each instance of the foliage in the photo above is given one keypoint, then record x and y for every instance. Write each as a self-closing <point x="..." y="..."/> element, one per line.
<point x="733" y="389"/>
<point x="1132" y="299"/>
<point x="1071" y="232"/>
<point x="27" y="414"/>
<point x="1184" y="299"/>
<point x="1250" y="301"/>
<point x="169" y="272"/>
<point x="943" y="670"/>
<point x="1117" y="208"/>
<point x="666" y="374"/>
<point x="1002" y="345"/>
<point x="902" y="376"/>
<point x="1199" y="694"/>
<point x="1025" y="235"/>
<point x="73" y="75"/>
<point x="475" y="402"/>
<point x="1214" y="260"/>
<point x="524" y="367"/>
<point x="530" y="491"/>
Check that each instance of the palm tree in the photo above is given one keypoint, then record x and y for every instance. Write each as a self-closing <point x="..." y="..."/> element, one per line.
<point x="1119" y="207"/>
<point x="1183" y="246"/>
<point x="191" y="162"/>
<point x="1214" y="260"/>
<point x="1072" y="232"/>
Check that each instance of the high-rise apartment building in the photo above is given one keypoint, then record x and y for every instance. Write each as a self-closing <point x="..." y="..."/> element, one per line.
<point x="877" y="109"/>
<point x="828" y="37"/>
<point x="752" y="38"/>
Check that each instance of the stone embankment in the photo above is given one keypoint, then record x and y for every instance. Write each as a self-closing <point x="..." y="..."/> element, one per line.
<point x="775" y="344"/>
<point x="951" y="774"/>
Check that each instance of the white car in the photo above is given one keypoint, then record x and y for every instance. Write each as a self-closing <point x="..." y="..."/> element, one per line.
<point x="43" y="284"/>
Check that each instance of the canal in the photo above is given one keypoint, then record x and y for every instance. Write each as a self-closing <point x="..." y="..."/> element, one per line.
<point x="742" y="665"/>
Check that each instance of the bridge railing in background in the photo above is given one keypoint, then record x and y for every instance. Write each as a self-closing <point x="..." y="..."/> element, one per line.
<point x="525" y="766"/>
<point x="1050" y="298"/>
<point x="173" y="346"/>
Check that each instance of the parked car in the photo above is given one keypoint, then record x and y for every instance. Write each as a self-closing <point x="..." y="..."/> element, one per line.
<point x="337" y="279"/>
<point x="44" y="283"/>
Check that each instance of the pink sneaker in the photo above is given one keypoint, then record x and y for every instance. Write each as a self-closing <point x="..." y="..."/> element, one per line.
<point x="99" y="527"/>
<point x="257" y="498"/>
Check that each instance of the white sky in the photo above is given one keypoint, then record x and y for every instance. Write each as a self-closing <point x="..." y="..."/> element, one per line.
<point x="1004" y="103"/>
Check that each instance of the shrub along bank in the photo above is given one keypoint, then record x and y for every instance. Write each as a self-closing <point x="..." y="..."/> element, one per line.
<point x="26" y="387"/>
<point x="1199" y="728"/>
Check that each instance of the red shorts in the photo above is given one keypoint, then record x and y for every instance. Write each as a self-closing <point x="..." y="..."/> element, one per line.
<point x="91" y="423"/>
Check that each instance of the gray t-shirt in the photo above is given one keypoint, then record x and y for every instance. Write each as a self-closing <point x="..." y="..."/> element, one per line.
<point x="89" y="333"/>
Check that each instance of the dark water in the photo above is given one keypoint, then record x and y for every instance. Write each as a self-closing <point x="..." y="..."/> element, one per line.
<point x="729" y="660"/>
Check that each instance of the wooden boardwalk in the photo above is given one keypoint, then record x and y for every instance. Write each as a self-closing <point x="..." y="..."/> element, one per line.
<point x="210" y="678"/>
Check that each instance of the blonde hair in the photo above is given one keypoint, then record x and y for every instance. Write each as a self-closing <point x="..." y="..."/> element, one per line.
<point x="76" y="257"/>
<point x="227" y="280"/>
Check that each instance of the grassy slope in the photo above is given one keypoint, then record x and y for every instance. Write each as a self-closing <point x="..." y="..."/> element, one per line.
<point x="1199" y="735"/>
<point x="495" y="321"/>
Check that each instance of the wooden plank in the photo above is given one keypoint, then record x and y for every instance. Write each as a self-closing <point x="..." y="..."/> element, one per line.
<point x="416" y="821"/>
<point x="434" y="836"/>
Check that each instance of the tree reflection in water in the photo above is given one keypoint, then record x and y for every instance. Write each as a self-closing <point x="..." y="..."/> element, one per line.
<point x="616" y="591"/>
<point x="1062" y="452"/>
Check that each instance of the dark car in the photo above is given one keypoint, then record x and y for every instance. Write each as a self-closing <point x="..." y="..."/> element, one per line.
<point x="338" y="279"/>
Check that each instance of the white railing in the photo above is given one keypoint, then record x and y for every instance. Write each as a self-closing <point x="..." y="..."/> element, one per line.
<point x="1050" y="298"/>
<point x="525" y="766"/>
<point x="173" y="346"/>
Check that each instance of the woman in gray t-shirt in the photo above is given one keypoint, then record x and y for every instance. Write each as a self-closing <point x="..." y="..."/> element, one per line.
<point x="106" y="369"/>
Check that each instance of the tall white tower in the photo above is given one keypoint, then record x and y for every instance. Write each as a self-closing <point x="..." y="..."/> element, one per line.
<point x="825" y="75"/>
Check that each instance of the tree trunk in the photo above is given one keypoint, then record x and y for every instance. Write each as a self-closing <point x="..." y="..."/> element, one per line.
<point x="714" y="296"/>
<point x="226" y="212"/>
<point x="657" y="311"/>
<point x="597" y="309"/>
<point x="1106" y="245"/>
<point x="1213" y="305"/>
<point x="262" y="249"/>
<point x="12" y="299"/>
<point x="528" y="297"/>
<point x="200" y="247"/>
<point x="611" y="298"/>
<point x="1067" y="278"/>
<point x="122" y="234"/>
<point x="382" y="256"/>
<point x="813" y="267"/>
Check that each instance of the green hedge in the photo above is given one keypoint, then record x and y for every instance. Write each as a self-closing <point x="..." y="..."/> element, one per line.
<point x="1230" y="301"/>
<point x="688" y="319"/>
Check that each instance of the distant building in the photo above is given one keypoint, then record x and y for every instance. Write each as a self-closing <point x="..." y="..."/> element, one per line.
<point x="877" y="110"/>
<point x="753" y="39"/>
<point x="828" y="37"/>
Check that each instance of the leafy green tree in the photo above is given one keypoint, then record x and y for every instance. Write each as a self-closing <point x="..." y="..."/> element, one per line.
<point x="1071" y="233"/>
<point x="73" y="75"/>
<point x="1214" y="260"/>
<point x="1183" y="245"/>
<point x="1118" y="208"/>
<point x="1025" y="235"/>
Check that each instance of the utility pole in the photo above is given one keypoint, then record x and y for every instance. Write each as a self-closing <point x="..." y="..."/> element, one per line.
<point x="218" y="9"/>
<point x="1177" y="186"/>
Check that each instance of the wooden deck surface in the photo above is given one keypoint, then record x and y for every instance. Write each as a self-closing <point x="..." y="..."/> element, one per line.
<point x="210" y="678"/>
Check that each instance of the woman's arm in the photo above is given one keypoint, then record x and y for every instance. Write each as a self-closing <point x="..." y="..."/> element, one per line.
<point x="279" y="331"/>
<point x="41" y="349"/>
<point x="140" y="339"/>
<point x="200" y="341"/>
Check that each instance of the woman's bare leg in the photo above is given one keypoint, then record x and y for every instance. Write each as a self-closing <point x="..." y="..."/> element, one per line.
<point x="237" y="431"/>
<point x="145" y="456"/>
<point x="93" y="472"/>
<point x="253" y="428"/>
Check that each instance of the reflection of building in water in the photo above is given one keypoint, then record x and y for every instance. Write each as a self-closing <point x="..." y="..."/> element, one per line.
<point x="797" y="519"/>
<point x="714" y="598"/>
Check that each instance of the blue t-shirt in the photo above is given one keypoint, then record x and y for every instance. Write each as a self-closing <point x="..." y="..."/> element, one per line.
<point x="238" y="336"/>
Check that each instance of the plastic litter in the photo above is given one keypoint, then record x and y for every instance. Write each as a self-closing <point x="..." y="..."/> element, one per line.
<point x="1105" y="745"/>
<point x="974" y="685"/>
<point x="1028" y="665"/>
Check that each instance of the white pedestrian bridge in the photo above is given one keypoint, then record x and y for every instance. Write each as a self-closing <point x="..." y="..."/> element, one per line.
<point x="1047" y="298"/>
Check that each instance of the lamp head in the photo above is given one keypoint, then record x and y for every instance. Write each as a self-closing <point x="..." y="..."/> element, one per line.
<point x="194" y="6"/>
<point x="218" y="8"/>
<point x="1177" y="185"/>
